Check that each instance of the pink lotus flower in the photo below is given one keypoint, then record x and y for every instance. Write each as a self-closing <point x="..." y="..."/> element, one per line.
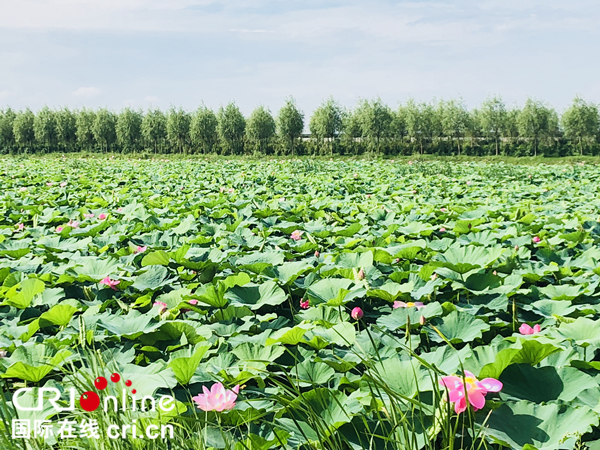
<point x="20" y="227"/>
<point x="217" y="399"/>
<point x="3" y="353"/>
<point x="140" y="249"/>
<point x="162" y="306"/>
<point x="49" y="184"/>
<point x="221" y="189"/>
<point x="102" y="216"/>
<point x="361" y="274"/>
<point x="304" y="304"/>
<point x="119" y="209"/>
<point x="231" y="190"/>
<point x="422" y="320"/>
<point x="475" y="390"/>
<point x="59" y="229"/>
<point x="368" y="195"/>
<point x="516" y="248"/>
<point x="526" y="329"/>
<point x="110" y="283"/>
<point x="73" y="224"/>
<point x="88" y="216"/>
<point x="443" y="210"/>
<point x="442" y="230"/>
<point x="191" y="302"/>
<point x="317" y="253"/>
<point x="410" y="163"/>
<point x="468" y="183"/>
<point x="296" y="235"/>
<point x="357" y="313"/>
<point x="63" y="184"/>
<point x="536" y="239"/>
<point x="417" y="305"/>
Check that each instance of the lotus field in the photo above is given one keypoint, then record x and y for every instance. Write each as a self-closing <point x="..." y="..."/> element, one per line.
<point x="298" y="304"/>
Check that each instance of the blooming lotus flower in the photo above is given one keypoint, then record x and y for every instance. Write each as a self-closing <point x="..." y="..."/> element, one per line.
<point x="526" y="329"/>
<point x="217" y="399"/>
<point x="475" y="390"/>
<point x="162" y="306"/>
<point x="417" y="305"/>
<point x="296" y="235"/>
<point x="442" y="230"/>
<point x="49" y="184"/>
<point x="88" y="216"/>
<point x="536" y="239"/>
<point x="59" y="229"/>
<point x="63" y="184"/>
<point x="443" y="210"/>
<point x="73" y="224"/>
<point x="110" y="283"/>
<point x="193" y="302"/>
<point x="304" y="304"/>
<point x="119" y="209"/>
<point x="102" y="216"/>
<point x="20" y="226"/>
<point x="140" y="249"/>
<point x="357" y="313"/>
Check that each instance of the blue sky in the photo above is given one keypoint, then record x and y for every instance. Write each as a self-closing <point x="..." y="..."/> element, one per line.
<point x="116" y="53"/>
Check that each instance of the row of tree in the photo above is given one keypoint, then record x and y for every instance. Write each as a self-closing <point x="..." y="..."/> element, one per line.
<point x="444" y="127"/>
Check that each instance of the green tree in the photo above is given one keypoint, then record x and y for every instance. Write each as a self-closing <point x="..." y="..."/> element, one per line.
<point x="580" y="122"/>
<point x="178" y="128"/>
<point x="375" y="119"/>
<point x="129" y="129"/>
<point x="203" y="129"/>
<point x="352" y="132"/>
<point x="84" y="122"/>
<point x="260" y="128"/>
<point x="493" y="116"/>
<point x="23" y="129"/>
<point x="154" y="127"/>
<point x="399" y="127"/>
<point x="44" y="128"/>
<point x="454" y="119"/>
<point x="7" y="136"/>
<point x="534" y="122"/>
<point x="66" y="129"/>
<point x="290" y="123"/>
<point x="104" y="128"/>
<point x="326" y="122"/>
<point x="231" y="126"/>
<point x="414" y="122"/>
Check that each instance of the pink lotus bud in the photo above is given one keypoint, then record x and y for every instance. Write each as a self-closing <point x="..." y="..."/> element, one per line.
<point x="516" y="248"/>
<point x="495" y="273"/>
<point x="102" y="216"/>
<point x="317" y="254"/>
<point x="442" y="230"/>
<point x="59" y="229"/>
<point x="361" y="274"/>
<point x="357" y="313"/>
<point x="422" y="320"/>
<point x="162" y="306"/>
<point x="536" y="239"/>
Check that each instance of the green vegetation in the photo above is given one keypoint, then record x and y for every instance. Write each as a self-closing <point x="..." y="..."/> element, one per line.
<point x="335" y="294"/>
<point x="372" y="128"/>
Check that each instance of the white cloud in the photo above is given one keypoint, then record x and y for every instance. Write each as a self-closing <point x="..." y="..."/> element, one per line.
<point x="86" y="92"/>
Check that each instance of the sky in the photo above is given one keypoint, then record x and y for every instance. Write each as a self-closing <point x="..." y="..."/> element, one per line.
<point x="151" y="53"/>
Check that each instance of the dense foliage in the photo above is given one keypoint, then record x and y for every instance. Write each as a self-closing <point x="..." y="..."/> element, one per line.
<point x="282" y="277"/>
<point x="442" y="128"/>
